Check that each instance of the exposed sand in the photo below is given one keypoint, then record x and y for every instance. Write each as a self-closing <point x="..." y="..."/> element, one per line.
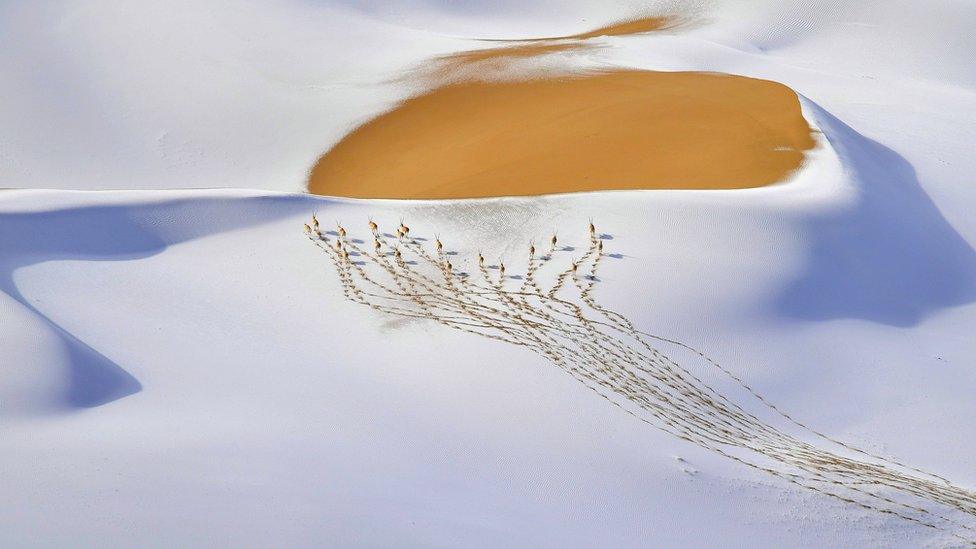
<point x="533" y="47"/>
<point x="620" y="28"/>
<point x="612" y="130"/>
<point x="526" y="50"/>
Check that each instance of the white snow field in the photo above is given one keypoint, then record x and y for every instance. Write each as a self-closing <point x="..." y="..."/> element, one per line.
<point x="179" y="366"/>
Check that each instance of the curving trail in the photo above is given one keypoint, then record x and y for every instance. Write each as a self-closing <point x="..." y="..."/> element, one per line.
<point x="562" y="321"/>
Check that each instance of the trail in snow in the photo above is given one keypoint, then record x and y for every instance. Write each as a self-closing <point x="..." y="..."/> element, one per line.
<point x="606" y="352"/>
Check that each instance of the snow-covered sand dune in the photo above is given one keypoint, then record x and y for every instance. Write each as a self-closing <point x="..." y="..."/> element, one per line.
<point x="180" y="366"/>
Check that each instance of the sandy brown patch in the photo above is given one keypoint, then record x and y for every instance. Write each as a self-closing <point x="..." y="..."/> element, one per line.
<point x="529" y="50"/>
<point x="489" y="58"/>
<point x="512" y="62"/>
<point x="622" y="28"/>
<point x="605" y="131"/>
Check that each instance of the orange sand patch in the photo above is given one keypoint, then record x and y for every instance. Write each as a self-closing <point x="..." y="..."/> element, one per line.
<point x="531" y="50"/>
<point x="532" y="47"/>
<point x="604" y="131"/>
<point x="495" y="63"/>
<point x="621" y="28"/>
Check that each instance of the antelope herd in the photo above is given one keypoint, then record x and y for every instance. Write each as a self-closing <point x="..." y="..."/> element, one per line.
<point x="565" y="324"/>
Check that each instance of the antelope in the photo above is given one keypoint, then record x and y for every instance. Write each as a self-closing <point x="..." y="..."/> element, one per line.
<point x="406" y="230"/>
<point x="373" y="226"/>
<point x="308" y="230"/>
<point x="481" y="260"/>
<point x="574" y="266"/>
<point x="345" y="254"/>
<point x="599" y="246"/>
<point x="592" y="228"/>
<point x="400" y="233"/>
<point x="553" y="241"/>
<point x="501" y="268"/>
<point x="376" y="245"/>
<point x="342" y="232"/>
<point x="439" y="245"/>
<point x="315" y="222"/>
<point x="396" y="252"/>
<point x="449" y="266"/>
<point x="531" y="250"/>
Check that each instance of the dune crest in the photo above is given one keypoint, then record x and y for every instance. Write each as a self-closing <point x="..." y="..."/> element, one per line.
<point x="503" y="56"/>
<point x="621" y="28"/>
<point x="504" y="53"/>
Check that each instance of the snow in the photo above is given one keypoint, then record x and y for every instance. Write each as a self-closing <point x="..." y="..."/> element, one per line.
<point x="180" y="367"/>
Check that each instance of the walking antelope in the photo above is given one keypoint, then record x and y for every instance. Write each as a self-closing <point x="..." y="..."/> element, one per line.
<point x="373" y="227"/>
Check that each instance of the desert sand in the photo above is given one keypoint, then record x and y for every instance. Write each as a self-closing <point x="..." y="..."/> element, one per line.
<point x="622" y="28"/>
<point x="505" y="54"/>
<point x="452" y="66"/>
<point x="587" y="132"/>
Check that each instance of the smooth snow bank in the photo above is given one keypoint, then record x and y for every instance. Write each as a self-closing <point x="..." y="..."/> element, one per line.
<point x="112" y="231"/>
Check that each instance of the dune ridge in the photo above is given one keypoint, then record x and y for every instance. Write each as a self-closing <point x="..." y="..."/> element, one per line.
<point x="620" y="28"/>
